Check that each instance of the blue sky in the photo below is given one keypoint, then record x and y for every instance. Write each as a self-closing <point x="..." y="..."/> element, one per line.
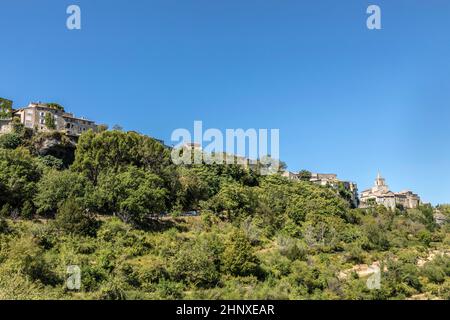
<point x="346" y="99"/>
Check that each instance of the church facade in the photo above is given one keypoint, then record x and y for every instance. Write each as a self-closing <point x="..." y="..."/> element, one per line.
<point x="380" y="194"/>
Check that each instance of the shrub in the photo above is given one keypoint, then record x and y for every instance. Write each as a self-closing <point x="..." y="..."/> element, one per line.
<point x="113" y="289"/>
<point x="73" y="219"/>
<point x="44" y="235"/>
<point x="27" y="210"/>
<point x="167" y="289"/>
<point x="195" y="263"/>
<point x="425" y="237"/>
<point x="434" y="273"/>
<point x="4" y="228"/>
<point x="14" y="286"/>
<point x="438" y="269"/>
<point x="51" y="162"/>
<point x="10" y="141"/>
<point x="6" y="210"/>
<point x="27" y="258"/>
<point x="146" y="271"/>
<point x="113" y="229"/>
<point x="354" y="253"/>
<point x="290" y="248"/>
<point x="238" y="257"/>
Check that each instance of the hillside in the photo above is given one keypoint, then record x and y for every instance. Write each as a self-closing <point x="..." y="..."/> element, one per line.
<point x="115" y="210"/>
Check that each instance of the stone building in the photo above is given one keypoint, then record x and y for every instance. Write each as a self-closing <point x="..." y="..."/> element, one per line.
<point x="33" y="116"/>
<point x="380" y="194"/>
<point x="330" y="179"/>
<point x="290" y="175"/>
<point x="219" y="157"/>
<point x="324" y="178"/>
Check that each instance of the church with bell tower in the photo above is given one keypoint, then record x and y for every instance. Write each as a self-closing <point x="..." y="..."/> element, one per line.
<point x="380" y="194"/>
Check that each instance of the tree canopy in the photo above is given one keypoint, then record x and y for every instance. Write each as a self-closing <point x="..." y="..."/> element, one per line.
<point x="121" y="211"/>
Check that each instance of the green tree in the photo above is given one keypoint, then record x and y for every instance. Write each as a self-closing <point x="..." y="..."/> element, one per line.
<point x="51" y="162"/>
<point x="234" y="200"/>
<point x="238" y="257"/>
<point x="376" y="235"/>
<point x="304" y="175"/>
<point x="72" y="218"/>
<point x="20" y="130"/>
<point x="133" y="195"/>
<point x="114" y="150"/>
<point x="6" y="210"/>
<point x="5" y="108"/>
<point x="19" y="173"/>
<point x="323" y="232"/>
<point x="308" y="199"/>
<point x="27" y="210"/>
<point x="55" y="106"/>
<point x="274" y="195"/>
<point x="4" y="228"/>
<point x="193" y="188"/>
<point x="57" y="186"/>
<point x="50" y="121"/>
<point x="10" y="141"/>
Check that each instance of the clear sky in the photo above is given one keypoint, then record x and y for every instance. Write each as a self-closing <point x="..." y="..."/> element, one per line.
<point x="347" y="100"/>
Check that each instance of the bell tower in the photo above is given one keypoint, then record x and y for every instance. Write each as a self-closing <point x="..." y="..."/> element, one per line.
<point x="380" y="181"/>
<point x="380" y="184"/>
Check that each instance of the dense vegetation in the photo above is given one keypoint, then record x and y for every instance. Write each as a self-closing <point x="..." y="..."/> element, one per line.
<point x="116" y="212"/>
<point x="5" y="108"/>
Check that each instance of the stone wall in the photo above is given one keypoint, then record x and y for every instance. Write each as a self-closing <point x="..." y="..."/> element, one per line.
<point x="5" y="126"/>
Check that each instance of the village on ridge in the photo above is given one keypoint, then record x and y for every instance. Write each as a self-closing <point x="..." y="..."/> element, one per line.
<point x="34" y="116"/>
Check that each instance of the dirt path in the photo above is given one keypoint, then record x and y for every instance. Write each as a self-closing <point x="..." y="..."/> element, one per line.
<point x="364" y="270"/>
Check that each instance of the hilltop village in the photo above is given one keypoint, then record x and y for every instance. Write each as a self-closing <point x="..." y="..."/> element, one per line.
<point x="378" y="194"/>
<point x="140" y="226"/>
<point x="48" y="117"/>
<point x="42" y="117"/>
